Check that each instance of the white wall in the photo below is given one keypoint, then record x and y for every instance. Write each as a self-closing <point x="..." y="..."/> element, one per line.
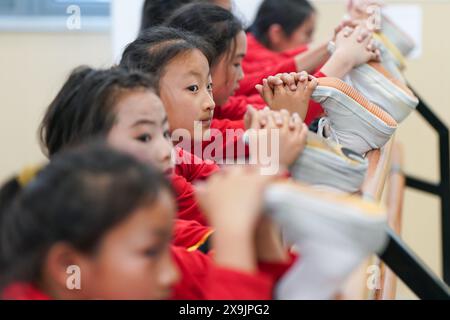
<point x="126" y="19"/>
<point x="246" y="9"/>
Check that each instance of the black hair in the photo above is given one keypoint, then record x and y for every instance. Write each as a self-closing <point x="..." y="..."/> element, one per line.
<point x="12" y="187"/>
<point x="218" y="26"/>
<point x="289" y="14"/>
<point x="74" y="201"/>
<point x="82" y="108"/>
<point x="155" y="48"/>
<point x="8" y="192"/>
<point x="154" y="12"/>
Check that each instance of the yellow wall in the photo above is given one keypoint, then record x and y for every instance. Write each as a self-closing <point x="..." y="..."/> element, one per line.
<point x="33" y="67"/>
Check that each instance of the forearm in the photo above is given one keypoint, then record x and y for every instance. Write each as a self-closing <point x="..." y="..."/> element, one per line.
<point x="235" y="248"/>
<point x="269" y="246"/>
<point x="312" y="59"/>
<point x="337" y="66"/>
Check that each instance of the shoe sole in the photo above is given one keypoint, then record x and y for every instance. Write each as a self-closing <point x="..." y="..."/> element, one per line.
<point x="380" y="69"/>
<point x="323" y="159"/>
<point x="380" y="86"/>
<point x="360" y="102"/>
<point x="375" y="127"/>
<point x="299" y="210"/>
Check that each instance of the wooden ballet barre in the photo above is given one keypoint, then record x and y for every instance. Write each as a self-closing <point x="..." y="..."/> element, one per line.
<point x="394" y="204"/>
<point x="379" y="167"/>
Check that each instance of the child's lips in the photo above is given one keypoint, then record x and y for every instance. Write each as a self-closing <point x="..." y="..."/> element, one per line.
<point x="207" y="122"/>
<point x="165" y="294"/>
<point x="168" y="171"/>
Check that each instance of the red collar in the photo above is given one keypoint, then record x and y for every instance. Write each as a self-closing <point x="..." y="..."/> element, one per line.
<point x="22" y="291"/>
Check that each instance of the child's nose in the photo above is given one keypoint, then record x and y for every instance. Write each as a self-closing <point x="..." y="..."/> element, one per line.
<point x="165" y="149"/>
<point x="241" y="74"/>
<point x="209" y="103"/>
<point x="170" y="274"/>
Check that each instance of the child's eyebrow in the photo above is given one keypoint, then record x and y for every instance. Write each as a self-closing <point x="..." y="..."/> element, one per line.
<point x="162" y="233"/>
<point x="195" y="74"/>
<point x="144" y="122"/>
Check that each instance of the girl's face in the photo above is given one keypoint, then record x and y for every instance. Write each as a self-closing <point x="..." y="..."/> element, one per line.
<point x="302" y="36"/>
<point x="186" y="91"/>
<point x="141" y="129"/>
<point x="228" y="72"/>
<point x="133" y="260"/>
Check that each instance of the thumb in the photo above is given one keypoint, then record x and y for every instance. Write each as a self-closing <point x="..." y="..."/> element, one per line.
<point x="259" y="88"/>
<point x="251" y="118"/>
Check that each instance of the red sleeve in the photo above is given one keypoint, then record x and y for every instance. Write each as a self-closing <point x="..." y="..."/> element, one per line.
<point x="247" y="85"/>
<point x="22" y="292"/>
<point x="188" y="208"/>
<point x="201" y="279"/>
<point x="193" y="168"/>
<point x="278" y="270"/>
<point x="315" y="109"/>
<point x="320" y="74"/>
<point x="236" y="107"/>
<point x="190" y="234"/>
<point x="223" y="124"/>
<point x="230" y="144"/>
<point x="258" y="56"/>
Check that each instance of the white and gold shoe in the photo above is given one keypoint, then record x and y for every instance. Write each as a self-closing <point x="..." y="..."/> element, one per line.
<point x="351" y="119"/>
<point x="326" y="163"/>
<point x="383" y="89"/>
<point x="333" y="233"/>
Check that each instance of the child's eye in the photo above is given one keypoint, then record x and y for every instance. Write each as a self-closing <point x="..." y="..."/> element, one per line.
<point x="167" y="134"/>
<point x="194" y="88"/>
<point x="152" y="252"/>
<point x="210" y="87"/>
<point x="144" y="138"/>
<point x="237" y="65"/>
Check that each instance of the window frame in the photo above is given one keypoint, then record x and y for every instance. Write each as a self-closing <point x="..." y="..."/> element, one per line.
<point x="51" y="16"/>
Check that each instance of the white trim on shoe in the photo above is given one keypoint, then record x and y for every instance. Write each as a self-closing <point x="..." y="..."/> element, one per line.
<point x="382" y="91"/>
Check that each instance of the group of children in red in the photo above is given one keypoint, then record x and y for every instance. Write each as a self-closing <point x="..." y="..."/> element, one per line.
<point x="112" y="200"/>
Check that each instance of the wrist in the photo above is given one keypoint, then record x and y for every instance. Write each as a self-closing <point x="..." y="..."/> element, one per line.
<point x="235" y="249"/>
<point x="231" y="227"/>
<point x="344" y="58"/>
<point x="313" y="58"/>
<point x="284" y="166"/>
<point x="338" y="65"/>
<point x="269" y="246"/>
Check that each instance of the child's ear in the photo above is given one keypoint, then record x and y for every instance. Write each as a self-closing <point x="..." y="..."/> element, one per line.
<point x="275" y="35"/>
<point x="64" y="268"/>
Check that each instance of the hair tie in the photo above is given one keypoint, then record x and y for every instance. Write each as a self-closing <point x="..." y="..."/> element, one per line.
<point x="28" y="174"/>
